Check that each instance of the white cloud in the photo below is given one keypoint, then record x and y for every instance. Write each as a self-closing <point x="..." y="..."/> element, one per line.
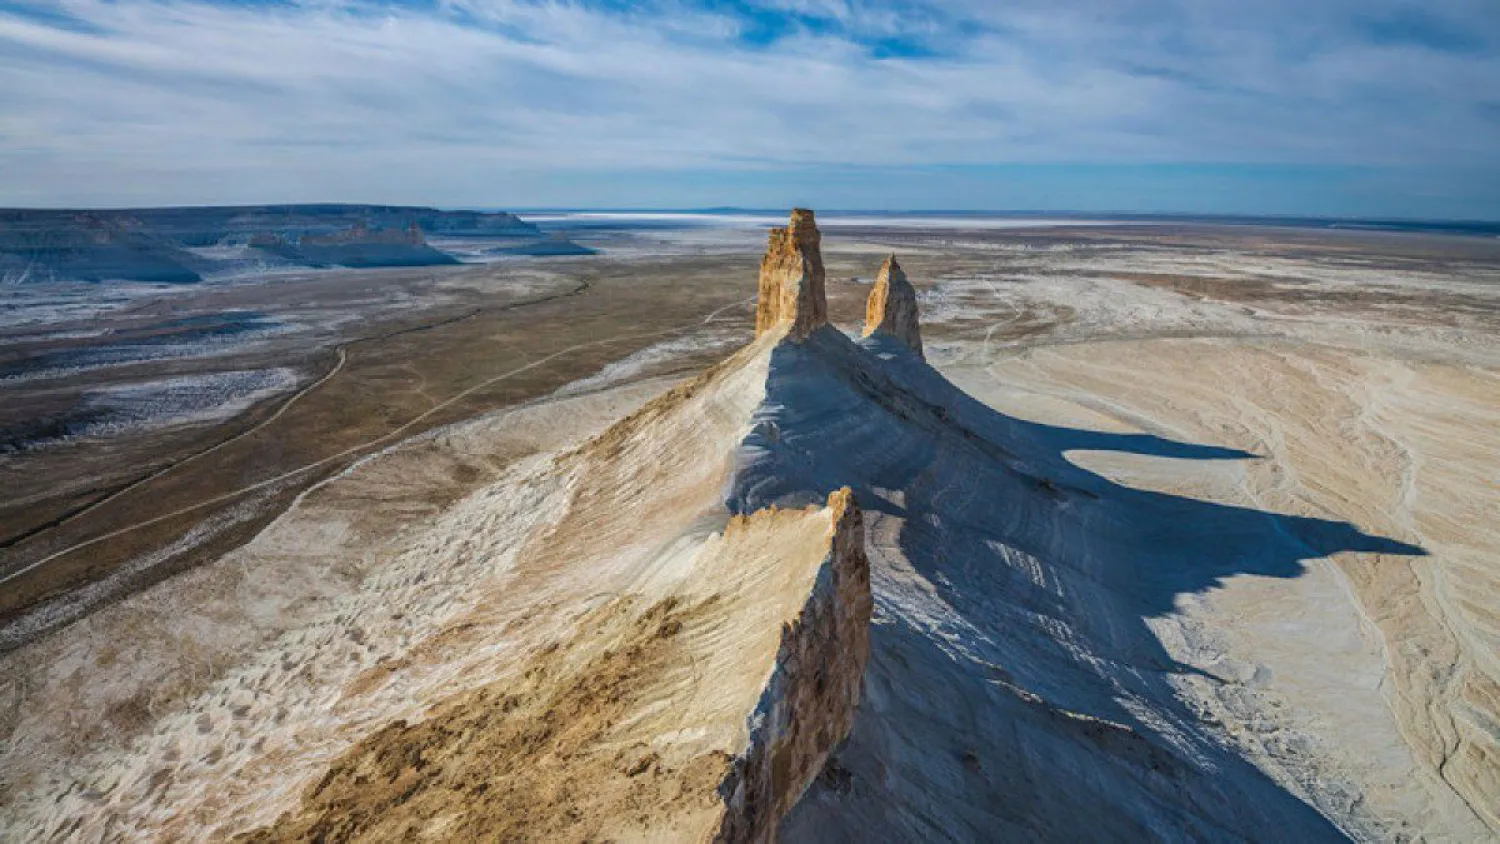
<point x="176" y="100"/>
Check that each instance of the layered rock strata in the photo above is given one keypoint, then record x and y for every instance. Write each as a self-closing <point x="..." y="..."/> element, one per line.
<point x="700" y="715"/>
<point x="892" y="306"/>
<point x="808" y="704"/>
<point x="791" y="279"/>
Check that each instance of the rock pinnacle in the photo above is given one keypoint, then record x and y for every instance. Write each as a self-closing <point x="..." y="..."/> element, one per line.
<point x="791" y="278"/>
<point x="892" y="307"/>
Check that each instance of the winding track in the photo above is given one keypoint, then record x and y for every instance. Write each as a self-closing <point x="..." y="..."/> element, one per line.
<point x="341" y="350"/>
<point x="352" y="450"/>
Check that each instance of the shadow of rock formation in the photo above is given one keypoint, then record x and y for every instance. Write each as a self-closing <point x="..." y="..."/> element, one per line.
<point x="1017" y="688"/>
<point x="1015" y="683"/>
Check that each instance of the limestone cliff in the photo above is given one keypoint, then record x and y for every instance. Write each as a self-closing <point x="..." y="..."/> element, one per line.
<point x="808" y="704"/>
<point x="892" y="307"/>
<point x="791" y="278"/>
<point x="156" y="244"/>
<point x="695" y="704"/>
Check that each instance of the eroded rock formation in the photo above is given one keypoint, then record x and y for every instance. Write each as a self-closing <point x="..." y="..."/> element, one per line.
<point x="808" y="704"/>
<point x="892" y="307"/>
<point x="572" y="652"/>
<point x="699" y="712"/>
<point x="791" y="278"/>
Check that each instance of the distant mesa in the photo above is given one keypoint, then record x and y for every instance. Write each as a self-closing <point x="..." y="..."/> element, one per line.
<point x="88" y="246"/>
<point x="356" y="246"/>
<point x="892" y="307"/>
<point x="556" y="245"/>
<point x="178" y="244"/>
<point x="210" y="226"/>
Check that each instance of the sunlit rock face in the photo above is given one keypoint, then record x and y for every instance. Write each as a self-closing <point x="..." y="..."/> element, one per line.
<point x="892" y="307"/>
<point x="809" y="703"/>
<point x="791" y="278"/>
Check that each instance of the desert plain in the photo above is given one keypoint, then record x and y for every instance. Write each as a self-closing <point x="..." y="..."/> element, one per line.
<point x="207" y="604"/>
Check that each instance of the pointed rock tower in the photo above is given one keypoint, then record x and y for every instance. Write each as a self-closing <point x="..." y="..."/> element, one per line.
<point x="791" y="279"/>
<point x="892" y="307"/>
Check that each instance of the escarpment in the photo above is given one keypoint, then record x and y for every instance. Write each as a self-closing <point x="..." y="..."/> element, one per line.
<point x="809" y="702"/>
<point x="791" y="279"/>
<point x="693" y="682"/>
<point x="699" y="712"/>
<point x="892" y="306"/>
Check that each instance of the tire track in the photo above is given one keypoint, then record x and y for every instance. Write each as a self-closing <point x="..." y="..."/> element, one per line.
<point x="341" y="351"/>
<point x="368" y="445"/>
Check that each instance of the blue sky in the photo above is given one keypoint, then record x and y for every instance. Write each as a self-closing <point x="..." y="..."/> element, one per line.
<point x="1326" y="107"/>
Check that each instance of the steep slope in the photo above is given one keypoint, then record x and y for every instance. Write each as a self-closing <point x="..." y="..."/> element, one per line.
<point x="1015" y="685"/>
<point x="642" y="660"/>
<point x="636" y="726"/>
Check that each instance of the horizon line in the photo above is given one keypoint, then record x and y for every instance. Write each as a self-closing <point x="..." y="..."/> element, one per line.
<point x="733" y="209"/>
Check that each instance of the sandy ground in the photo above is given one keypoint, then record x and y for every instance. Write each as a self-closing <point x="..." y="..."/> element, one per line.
<point x="93" y="510"/>
<point x="1355" y="380"/>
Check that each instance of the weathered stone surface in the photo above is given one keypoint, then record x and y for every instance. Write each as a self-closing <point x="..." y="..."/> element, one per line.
<point x="791" y="278"/>
<point x="808" y="704"/>
<point x="892" y="307"/>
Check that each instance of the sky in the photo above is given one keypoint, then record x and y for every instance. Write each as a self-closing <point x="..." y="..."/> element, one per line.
<point x="1312" y="107"/>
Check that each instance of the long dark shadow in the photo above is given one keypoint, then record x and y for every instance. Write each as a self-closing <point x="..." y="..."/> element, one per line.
<point x="1046" y="576"/>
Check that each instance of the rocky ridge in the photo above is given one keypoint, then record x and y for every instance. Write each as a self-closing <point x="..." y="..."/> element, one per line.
<point x="698" y="647"/>
<point x="586" y="751"/>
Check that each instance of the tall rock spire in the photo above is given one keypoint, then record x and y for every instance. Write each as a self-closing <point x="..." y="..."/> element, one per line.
<point x="892" y="307"/>
<point x="791" y="278"/>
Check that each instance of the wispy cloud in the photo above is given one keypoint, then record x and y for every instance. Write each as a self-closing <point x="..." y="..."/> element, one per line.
<point x="464" y="101"/>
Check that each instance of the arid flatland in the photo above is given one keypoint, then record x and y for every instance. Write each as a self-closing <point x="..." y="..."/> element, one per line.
<point x="1238" y="532"/>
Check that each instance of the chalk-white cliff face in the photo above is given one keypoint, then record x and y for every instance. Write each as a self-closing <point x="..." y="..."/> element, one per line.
<point x="809" y="702"/>
<point x="745" y="638"/>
